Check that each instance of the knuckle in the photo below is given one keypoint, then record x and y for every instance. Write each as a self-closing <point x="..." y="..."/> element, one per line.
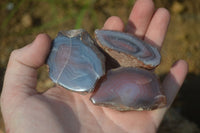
<point x="14" y="54"/>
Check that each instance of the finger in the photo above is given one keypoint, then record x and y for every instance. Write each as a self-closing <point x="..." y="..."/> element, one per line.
<point x="171" y="86"/>
<point x="114" y="23"/>
<point x="174" y="80"/>
<point x="158" y="27"/>
<point x="21" y="74"/>
<point x="140" y="17"/>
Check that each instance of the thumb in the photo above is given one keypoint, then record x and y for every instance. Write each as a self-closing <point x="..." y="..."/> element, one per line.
<point x="21" y="75"/>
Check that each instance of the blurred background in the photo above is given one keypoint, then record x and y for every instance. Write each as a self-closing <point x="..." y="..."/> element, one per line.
<point x="22" y="20"/>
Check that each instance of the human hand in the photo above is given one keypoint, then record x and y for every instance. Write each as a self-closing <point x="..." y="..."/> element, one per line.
<point x="58" y="110"/>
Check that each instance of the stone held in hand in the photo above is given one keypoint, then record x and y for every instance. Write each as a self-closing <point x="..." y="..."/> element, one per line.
<point x="129" y="88"/>
<point x="127" y="49"/>
<point x="75" y="62"/>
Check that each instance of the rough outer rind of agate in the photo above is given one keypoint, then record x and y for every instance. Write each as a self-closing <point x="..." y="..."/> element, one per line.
<point x="128" y="50"/>
<point x="125" y="89"/>
<point x="75" y="62"/>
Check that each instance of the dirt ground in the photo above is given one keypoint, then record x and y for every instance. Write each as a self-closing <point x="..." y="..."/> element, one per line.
<point x="22" y="21"/>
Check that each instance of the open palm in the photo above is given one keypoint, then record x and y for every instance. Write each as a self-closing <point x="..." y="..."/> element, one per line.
<point x="60" y="111"/>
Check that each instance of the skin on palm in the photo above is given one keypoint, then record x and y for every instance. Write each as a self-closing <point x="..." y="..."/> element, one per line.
<point x="57" y="110"/>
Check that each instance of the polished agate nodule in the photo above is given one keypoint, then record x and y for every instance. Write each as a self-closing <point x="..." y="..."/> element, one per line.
<point x="129" y="89"/>
<point x="75" y="62"/>
<point x="128" y="50"/>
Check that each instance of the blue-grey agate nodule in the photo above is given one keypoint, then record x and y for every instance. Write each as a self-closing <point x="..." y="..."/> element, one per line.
<point x="127" y="49"/>
<point x="129" y="88"/>
<point x="75" y="62"/>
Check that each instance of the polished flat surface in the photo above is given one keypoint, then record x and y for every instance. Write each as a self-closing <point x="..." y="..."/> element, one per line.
<point x="126" y="89"/>
<point x="74" y="61"/>
<point x="130" y="46"/>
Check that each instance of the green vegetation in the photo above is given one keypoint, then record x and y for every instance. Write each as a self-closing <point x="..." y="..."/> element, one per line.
<point x="58" y="14"/>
